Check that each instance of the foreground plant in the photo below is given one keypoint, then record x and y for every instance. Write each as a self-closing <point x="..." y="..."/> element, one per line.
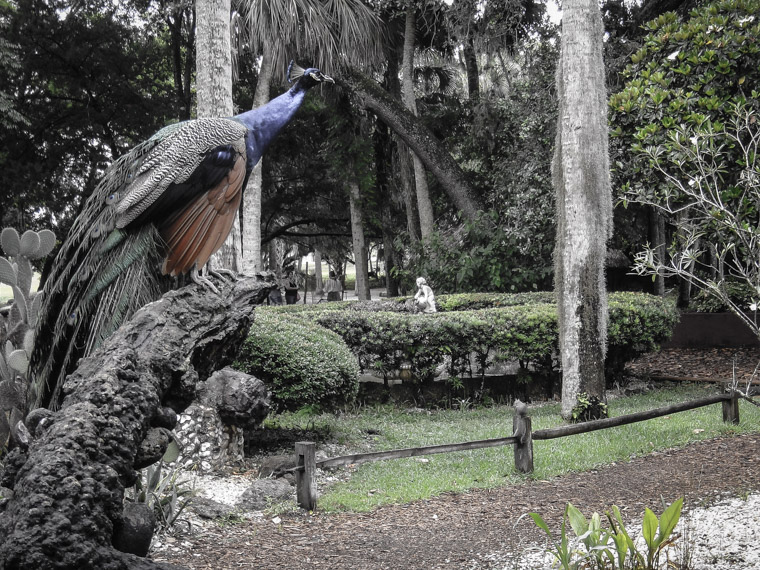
<point x="613" y="548"/>
<point x="17" y="322"/>
<point x="164" y="491"/>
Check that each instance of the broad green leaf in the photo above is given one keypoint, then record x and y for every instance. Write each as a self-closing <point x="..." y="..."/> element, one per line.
<point x="540" y="523"/>
<point x="621" y="546"/>
<point x="649" y="527"/>
<point x="669" y="520"/>
<point x="10" y="242"/>
<point x="577" y="520"/>
<point x="172" y="452"/>
<point x="30" y="243"/>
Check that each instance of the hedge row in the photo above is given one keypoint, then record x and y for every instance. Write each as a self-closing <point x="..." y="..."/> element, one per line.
<point x="520" y="327"/>
<point x="385" y="336"/>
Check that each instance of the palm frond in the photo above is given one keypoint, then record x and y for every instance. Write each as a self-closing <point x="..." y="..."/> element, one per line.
<point x="327" y="34"/>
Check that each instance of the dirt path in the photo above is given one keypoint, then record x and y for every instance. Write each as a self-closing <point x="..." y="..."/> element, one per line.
<point x="460" y="530"/>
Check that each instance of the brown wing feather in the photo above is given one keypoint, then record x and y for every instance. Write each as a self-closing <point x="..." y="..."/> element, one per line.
<point x="195" y="233"/>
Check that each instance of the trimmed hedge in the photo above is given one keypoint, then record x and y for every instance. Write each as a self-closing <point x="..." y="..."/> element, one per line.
<point x="520" y="327"/>
<point x="302" y="363"/>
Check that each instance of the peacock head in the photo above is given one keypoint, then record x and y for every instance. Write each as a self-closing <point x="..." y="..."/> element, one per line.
<point x="307" y="77"/>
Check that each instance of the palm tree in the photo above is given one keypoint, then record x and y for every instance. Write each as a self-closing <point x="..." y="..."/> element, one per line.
<point x="213" y="51"/>
<point x="424" y="205"/>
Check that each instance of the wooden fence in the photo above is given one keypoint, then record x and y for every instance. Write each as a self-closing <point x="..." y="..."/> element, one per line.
<point x="522" y="438"/>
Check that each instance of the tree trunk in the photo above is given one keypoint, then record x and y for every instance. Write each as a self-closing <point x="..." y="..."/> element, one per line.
<point x="69" y="482"/>
<point x="473" y="75"/>
<point x="360" y="249"/>
<point x="252" y="195"/>
<point x="424" y="205"/>
<point x="389" y="254"/>
<point x="406" y="178"/>
<point x="657" y="237"/>
<point x="318" y="281"/>
<point x="180" y="48"/>
<point x="584" y="203"/>
<point x="684" y="282"/>
<point x="419" y="138"/>
<point x="214" y="88"/>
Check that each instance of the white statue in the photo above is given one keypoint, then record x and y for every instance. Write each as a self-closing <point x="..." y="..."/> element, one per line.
<point x="424" y="299"/>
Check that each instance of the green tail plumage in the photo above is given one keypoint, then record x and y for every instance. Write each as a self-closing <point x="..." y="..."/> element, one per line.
<point x="99" y="279"/>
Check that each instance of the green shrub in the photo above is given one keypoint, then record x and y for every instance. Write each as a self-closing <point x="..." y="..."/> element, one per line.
<point x="506" y="327"/>
<point x="638" y="323"/>
<point x="302" y="363"/>
<point x="472" y="301"/>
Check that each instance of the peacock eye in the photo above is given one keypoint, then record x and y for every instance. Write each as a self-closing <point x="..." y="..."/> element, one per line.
<point x="72" y="319"/>
<point x="96" y="233"/>
<point x="112" y="198"/>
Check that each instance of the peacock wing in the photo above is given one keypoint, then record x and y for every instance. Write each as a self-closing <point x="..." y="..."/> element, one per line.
<point x="197" y="231"/>
<point x="174" y="160"/>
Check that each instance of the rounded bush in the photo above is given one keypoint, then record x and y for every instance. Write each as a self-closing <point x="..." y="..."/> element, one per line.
<point x="302" y="363"/>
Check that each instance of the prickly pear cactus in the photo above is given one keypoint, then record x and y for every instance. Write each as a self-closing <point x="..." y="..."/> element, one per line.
<point x="17" y="322"/>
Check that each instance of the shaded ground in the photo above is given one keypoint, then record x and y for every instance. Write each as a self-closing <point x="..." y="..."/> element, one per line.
<point x="460" y="530"/>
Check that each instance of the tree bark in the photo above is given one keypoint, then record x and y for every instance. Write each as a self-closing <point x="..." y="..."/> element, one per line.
<point x="473" y="75"/>
<point x="252" y="195"/>
<point x="406" y="178"/>
<point x="584" y="203"/>
<point x="657" y="237"/>
<point x="419" y="138"/>
<point x="69" y="483"/>
<point x="214" y="88"/>
<point x="424" y="205"/>
<point x="318" y="281"/>
<point x="360" y="249"/>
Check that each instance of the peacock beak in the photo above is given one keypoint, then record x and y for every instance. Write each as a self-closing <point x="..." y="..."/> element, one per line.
<point x="327" y="79"/>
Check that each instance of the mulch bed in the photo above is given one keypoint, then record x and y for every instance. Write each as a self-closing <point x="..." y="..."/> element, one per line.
<point x="699" y="364"/>
<point x="459" y="530"/>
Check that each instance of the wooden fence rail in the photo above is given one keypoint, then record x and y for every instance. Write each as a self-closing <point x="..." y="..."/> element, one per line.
<point x="522" y="438"/>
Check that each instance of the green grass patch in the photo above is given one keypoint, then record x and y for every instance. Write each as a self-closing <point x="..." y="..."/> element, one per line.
<point x="405" y="480"/>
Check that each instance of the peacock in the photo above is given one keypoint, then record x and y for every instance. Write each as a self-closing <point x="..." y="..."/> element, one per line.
<point x="160" y="211"/>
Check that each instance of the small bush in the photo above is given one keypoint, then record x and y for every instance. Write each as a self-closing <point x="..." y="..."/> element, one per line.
<point x="302" y="363"/>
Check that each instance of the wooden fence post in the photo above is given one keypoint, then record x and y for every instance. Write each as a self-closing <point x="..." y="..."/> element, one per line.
<point x="731" y="409"/>
<point x="521" y="429"/>
<point x="306" y="475"/>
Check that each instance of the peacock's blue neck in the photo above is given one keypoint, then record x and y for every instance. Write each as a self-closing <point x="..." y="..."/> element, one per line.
<point x="264" y="123"/>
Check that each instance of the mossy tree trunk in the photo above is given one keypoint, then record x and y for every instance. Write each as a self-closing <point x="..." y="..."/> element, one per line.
<point x="584" y="203"/>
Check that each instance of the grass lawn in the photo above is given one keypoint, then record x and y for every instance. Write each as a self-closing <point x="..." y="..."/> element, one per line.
<point x="405" y="480"/>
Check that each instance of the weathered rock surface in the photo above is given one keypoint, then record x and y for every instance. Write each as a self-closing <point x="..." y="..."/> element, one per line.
<point x="210" y="509"/>
<point x="241" y="399"/>
<point x="263" y="492"/>
<point x="276" y="464"/>
<point x="210" y="431"/>
<point x="69" y="485"/>
<point x="133" y="533"/>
